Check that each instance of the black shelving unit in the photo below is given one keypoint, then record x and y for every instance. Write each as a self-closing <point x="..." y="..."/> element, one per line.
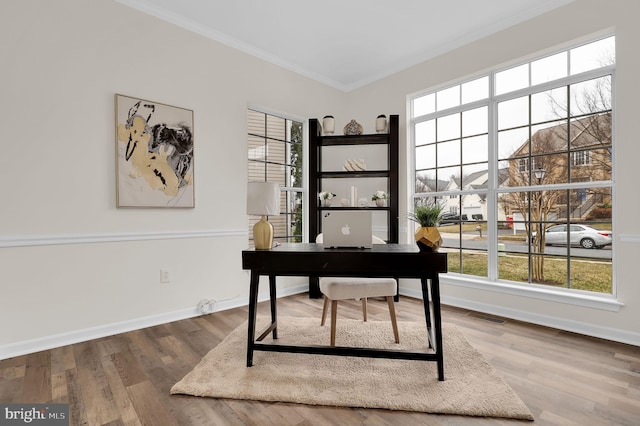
<point x="316" y="176"/>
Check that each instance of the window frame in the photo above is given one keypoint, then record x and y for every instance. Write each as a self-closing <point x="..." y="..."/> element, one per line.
<point x="288" y="191"/>
<point x="605" y="301"/>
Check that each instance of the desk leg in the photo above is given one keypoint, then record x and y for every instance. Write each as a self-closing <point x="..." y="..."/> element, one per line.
<point x="272" y="297"/>
<point x="425" y="302"/>
<point x="253" y="305"/>
<point x="435" y="296"/>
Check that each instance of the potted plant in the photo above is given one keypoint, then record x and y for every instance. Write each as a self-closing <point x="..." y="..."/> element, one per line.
<point x="325" y="198"/>
<point x="379" y="198"/>
<point x="427" y="235"/>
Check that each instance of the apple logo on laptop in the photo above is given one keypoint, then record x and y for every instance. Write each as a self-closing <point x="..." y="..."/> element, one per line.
<point x="346" y="230"/>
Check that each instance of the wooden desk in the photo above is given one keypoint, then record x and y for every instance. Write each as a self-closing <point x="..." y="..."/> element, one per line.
<point x="383" y="260"/>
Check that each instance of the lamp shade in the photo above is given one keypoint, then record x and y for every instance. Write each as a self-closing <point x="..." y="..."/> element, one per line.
<point x="263" y="198"/>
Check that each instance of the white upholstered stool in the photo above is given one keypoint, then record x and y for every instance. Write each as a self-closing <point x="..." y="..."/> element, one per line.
<point x="343" y="288"/>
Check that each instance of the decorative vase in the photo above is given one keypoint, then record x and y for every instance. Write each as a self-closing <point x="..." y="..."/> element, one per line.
<point x="325" y="202"/>
<point x="428" y="238"/>
<point x="380" y="202"/>
<point x="381" y="124"/>
<point x="328" y="124"/>
<point x="353" y="128"/>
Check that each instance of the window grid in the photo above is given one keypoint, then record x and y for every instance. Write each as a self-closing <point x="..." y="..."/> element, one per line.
<point x="574" y="145"/>
<point x="275" y="155"/>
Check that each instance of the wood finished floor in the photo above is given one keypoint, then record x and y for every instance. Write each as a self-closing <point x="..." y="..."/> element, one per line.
<point x="564" y="378"/>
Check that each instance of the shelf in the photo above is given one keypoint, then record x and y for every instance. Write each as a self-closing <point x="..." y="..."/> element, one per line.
<point x="378" y="138"/>
<point x="362" y="174"/>
<point x="355" y="208"/>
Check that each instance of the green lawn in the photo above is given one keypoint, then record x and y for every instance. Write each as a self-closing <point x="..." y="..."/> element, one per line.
<point x="585" y="274"/>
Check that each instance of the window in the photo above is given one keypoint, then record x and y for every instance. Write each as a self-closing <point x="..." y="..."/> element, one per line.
<point x="548" y="126"/>
<point x="580" y="158"/>
<point x="275" y="155"/>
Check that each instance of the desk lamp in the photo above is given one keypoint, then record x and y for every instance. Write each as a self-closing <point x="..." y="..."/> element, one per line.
<point x="263" y="198"/>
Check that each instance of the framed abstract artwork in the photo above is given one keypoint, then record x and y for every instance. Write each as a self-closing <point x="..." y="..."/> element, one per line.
<point x="154" y="149"/>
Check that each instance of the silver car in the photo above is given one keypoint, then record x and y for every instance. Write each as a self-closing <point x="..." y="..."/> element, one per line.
<point x="579" y="235"/>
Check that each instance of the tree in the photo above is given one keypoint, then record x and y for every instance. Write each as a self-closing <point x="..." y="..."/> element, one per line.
<point x="296" y="178"/>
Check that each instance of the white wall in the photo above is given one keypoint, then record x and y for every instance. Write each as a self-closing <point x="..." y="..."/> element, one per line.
<point x="71" y="263"/>
<point x="74" y="266"/>
<point x="578" y="20"/>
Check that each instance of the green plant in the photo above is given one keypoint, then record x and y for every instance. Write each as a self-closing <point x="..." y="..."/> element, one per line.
<point x="379" y="195"/>
<point x="426" y="216"/>
<point x="326" y="195"/>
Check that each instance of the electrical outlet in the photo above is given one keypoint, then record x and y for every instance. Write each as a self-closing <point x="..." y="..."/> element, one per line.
<point x="165" y="276"/>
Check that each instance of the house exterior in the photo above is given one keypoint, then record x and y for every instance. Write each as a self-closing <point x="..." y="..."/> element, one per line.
<point x="579" y="151"/>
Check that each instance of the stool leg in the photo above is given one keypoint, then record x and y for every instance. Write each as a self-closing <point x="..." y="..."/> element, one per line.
<point x="394" y="323"/>
<point x="364" y="308"/>
<point x="334" y="311"/>
<point x="324" y="310"/>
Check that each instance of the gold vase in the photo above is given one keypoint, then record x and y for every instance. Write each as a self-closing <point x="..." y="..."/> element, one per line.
<point x="428" y="238"/>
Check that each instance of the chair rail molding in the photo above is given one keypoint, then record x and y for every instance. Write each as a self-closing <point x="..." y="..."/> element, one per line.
<point x="45" y="240"/>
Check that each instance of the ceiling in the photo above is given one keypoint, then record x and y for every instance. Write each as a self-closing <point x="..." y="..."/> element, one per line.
<point x="345" y="44"/>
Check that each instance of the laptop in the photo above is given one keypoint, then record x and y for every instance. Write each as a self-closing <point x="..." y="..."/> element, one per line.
<point x="346" y="229"/>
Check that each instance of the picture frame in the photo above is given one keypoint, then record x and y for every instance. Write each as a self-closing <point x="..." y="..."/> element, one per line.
<point x="154" y="154"/>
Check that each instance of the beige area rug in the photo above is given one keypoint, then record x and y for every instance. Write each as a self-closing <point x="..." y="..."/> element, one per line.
<point x="471" y="387"/>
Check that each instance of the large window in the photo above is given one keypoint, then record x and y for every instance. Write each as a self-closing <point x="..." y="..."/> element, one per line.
<point x="522" y="159"/>
<point x="275" y="155"/>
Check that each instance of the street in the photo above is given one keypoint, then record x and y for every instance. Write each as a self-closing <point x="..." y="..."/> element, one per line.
<point x="474" y="242"/>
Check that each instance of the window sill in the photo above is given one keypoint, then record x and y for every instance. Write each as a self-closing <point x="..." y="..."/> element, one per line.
<point x="568" y="297"/>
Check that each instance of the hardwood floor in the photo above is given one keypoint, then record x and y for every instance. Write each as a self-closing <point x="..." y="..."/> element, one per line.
<point x="563" y="378"/>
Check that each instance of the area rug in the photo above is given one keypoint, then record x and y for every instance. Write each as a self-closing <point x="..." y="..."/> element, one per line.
<point x="471" y="387"/>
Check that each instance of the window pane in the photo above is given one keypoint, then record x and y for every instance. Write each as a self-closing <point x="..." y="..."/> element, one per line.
<point x="448" y="153"/>
<point x="426" y="157"/>
<point x="448" y="178"/>
<point x="256" y="148"/>
<point x="475" y="121"/>
<point x="512" y="143"/>
<point x="425" y="181"/>
<point x="448" y="127"/>
<point x="424" y="105"/>
<point x="591" y="96"/>
<point x="549" y="105"/>
<point x="256" y="123"/>
<point x="276" y="127"/>
<point x="475" y="90"/>
<point x="425" y="132"/>
<point x="256" y="172"/>
<point x="591" y="165"/>
<point x="593" y="130"/>
<point x="276" y="173"/>
<point x="593" y="55"/>
<point x="475" y="149"/>
<point x="475" y="176"/>
<point x="448" y="98"/>
<point x="513" y="113"/>
<point x="549" y="137"/>
<point x="549" y="169"/>
<point x="512" y="79"/>
<point x="549" y="68"/>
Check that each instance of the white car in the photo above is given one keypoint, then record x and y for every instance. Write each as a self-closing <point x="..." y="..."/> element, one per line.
<point x="579" y="235"/>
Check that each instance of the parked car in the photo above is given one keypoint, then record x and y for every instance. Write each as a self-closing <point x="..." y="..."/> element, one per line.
<point x="579" y="235"/>
<point x="449" y="218"/>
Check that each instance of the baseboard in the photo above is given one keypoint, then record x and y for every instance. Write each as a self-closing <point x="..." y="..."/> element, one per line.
<point x="587" y="329"/>
<point x="54" y="341"/>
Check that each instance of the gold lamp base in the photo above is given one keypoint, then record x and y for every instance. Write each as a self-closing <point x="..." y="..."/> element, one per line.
<point x="263" y="235"/>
